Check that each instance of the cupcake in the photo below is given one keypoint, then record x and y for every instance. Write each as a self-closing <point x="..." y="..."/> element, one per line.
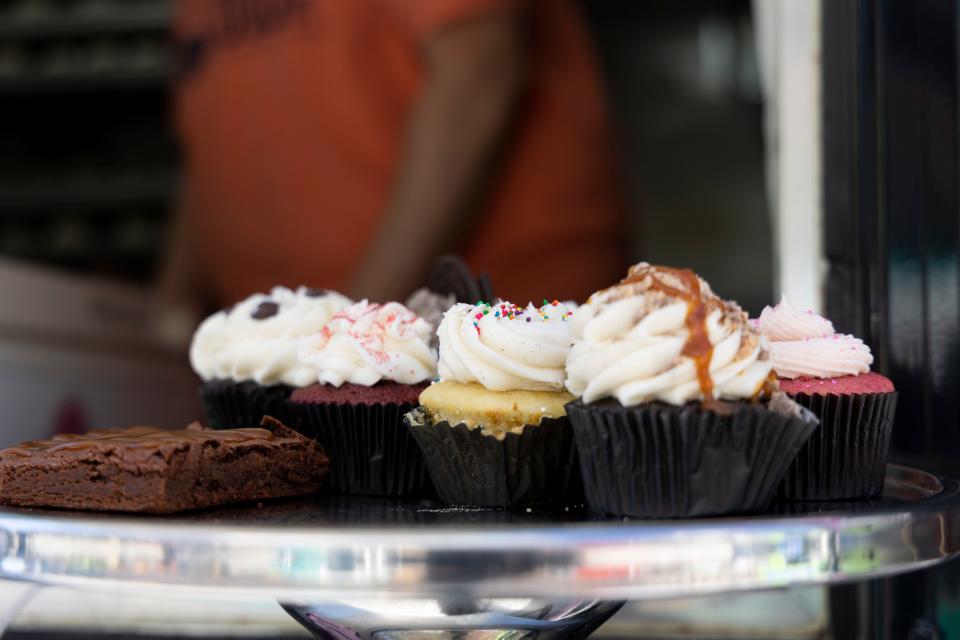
<point x="247" y="355"/>
<point x="493" y="430"/>
<point x="367" y="367"/>
<point x="451" y="276"/>
<point x="450" y="281"/>
<point x="678" y="412"/>
<point x="829" y="374"/>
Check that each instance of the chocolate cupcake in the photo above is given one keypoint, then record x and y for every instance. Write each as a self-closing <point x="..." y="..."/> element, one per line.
<point x="450" y="282"/>
<point x="247" y="355"/>
<point x="451" y="276"/>
<point x="678" y="415"/>
<point x="829" y="374"/>
<point x="493" y="430"/>
<point x="368" y="367"/>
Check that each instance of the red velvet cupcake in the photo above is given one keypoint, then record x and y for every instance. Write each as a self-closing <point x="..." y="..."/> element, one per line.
<point x="862" y="383"/>
<point x="829" y="374"/>
<point x="371" y="362"/>
<point x="380" y="393"/>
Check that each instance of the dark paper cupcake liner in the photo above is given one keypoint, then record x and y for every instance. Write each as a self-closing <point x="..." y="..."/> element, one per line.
<point x="232" y="405"/>
<point x="846" y="458"/>
<point x="371" y="451"/>
<point x="468" y="468"/>
<point x="661" y="461"/>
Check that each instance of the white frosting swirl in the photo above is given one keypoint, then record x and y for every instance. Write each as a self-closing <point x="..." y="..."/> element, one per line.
<point x="805" y="345"/>
<point x="504" y="347"/>
<point x="234" y="345"/>
<point x="630" y="343"/>
<point x="368" y="342"/>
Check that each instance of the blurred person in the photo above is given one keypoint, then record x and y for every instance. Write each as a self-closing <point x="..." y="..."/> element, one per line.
<point x="348" y="143"/>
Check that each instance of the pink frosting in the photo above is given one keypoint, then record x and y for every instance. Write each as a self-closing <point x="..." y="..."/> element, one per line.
<point x="805" y="345"/>
<point x="366" y="343"/>
<point x="786" y="322"/>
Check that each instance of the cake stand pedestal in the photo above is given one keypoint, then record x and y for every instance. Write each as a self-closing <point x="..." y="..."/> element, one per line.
<point x="351" y="567"/>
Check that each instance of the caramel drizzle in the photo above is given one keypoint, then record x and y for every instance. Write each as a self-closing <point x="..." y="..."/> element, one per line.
<point x="767" y="388"/>
<point x="698" y="346"/>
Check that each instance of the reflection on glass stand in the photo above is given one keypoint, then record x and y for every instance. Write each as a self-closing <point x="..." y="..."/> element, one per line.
<point x="449" y="618"/>
<point x="377" y="569"/>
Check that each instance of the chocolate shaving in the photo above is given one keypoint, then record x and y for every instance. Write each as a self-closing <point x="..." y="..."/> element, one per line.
<point x="265" y="310"/>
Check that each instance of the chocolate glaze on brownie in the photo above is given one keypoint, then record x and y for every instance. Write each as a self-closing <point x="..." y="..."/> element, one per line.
<point x="144" y="469"/>
<point x="380" y="393"/>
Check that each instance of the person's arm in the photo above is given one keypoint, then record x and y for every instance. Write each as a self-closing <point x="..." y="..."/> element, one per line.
<point x="474" y="75"/>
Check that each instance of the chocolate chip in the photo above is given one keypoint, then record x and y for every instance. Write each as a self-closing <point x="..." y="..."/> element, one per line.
<point x="312" y="292"/>
<point x="265" y="310"/>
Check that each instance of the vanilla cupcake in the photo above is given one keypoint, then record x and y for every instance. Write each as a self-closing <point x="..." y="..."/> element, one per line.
<point x="248" y="355"/>
<point x="368" y="366"/>
<point x="679" y="413"/>
<point x="493" y="429"/>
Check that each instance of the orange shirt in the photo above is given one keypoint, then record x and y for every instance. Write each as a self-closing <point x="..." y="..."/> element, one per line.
<point x="292" y="113"/>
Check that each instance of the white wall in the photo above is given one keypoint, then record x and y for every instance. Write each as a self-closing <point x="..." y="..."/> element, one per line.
<point x="789" y="48"/>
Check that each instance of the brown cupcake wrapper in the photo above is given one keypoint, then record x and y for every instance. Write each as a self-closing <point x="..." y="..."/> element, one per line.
<point x="468" y="468"/>
<point x="847" y="456"/>
<point x="371" y="451"/>
<point x="232" y="405"/>
<point x="661" y="461"/>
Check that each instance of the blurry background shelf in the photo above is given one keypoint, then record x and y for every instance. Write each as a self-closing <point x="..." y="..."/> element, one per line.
<point x="106" y="81"/>
<point x="85" y="195"/>
<point x="88" y="164"/>
<point x="124" y="18"/>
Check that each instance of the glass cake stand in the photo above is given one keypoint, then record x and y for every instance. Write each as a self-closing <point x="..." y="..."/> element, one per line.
<point x="351" y="567"/>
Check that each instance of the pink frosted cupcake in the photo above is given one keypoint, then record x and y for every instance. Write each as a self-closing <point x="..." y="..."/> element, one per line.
<point x="369" y="365"/>
<point x="829" y="373"/>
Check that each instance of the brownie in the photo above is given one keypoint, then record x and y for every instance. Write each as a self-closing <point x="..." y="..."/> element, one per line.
<point x="384" y="392"/>
<point x="151" y="470"/>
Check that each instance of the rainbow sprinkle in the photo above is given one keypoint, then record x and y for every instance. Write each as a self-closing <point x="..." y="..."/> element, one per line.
<point x="510" y="311"/>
